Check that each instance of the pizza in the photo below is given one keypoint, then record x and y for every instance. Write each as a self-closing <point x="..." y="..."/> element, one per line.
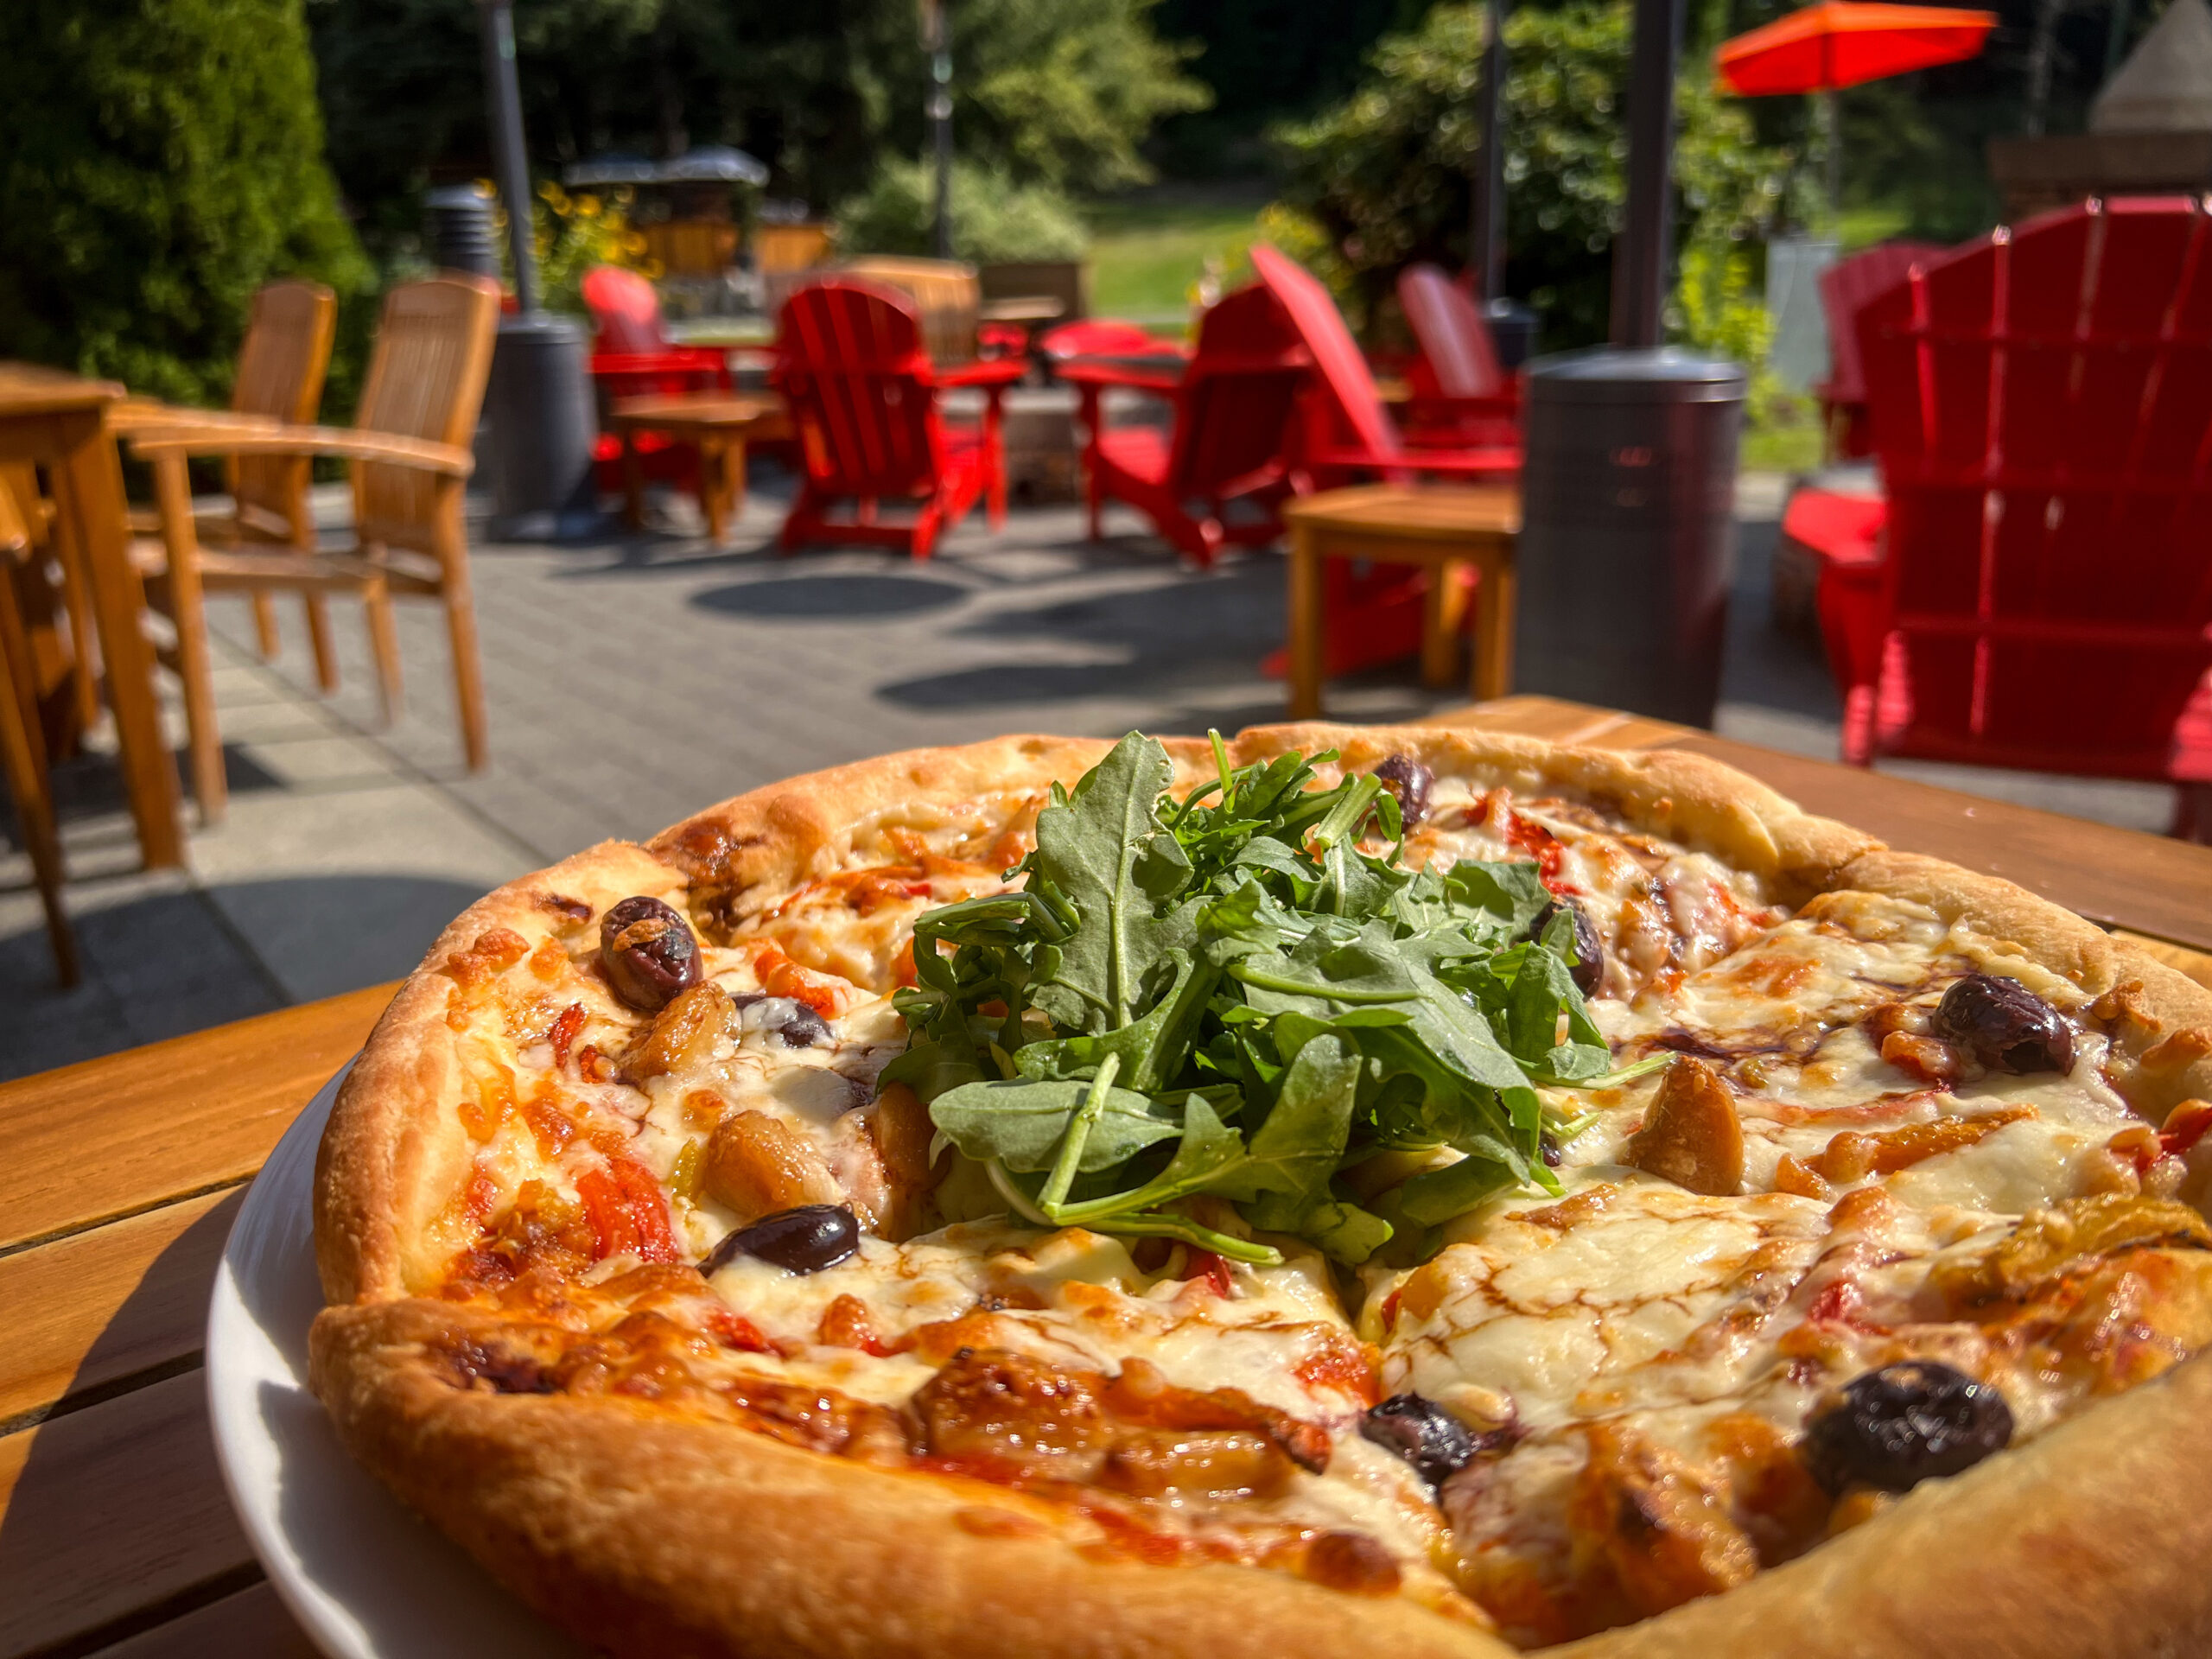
<point x="1343" y="1187"/>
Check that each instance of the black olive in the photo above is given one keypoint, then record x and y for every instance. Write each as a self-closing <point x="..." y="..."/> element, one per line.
<point x="1409" y="780"/>
<point x="2007" y="1026"/>
<point x="805" y="1240"/>
<point x="804" y="1029"/>
<point x="648" y="952"/>
<point x="1436" y="1443"/>
<point x="1894" y="1427"/>
<point x="1588" y="968"/>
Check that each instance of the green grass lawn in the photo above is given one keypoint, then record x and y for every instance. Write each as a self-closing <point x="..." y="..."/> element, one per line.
<point x="1149" y="248"/>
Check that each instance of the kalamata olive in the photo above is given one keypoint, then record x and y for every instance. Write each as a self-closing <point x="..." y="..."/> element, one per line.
<point x="1588" y="967"/>
<point x="804" y="1240"/>
<point x="2007" y="1026"/>
<point x="1409" y="780"/>
<point x="1437" y="1444"/>
<point x="1894" y="1427"/>
<point x="648" y="952"/>
<point x="794" y="1023"/>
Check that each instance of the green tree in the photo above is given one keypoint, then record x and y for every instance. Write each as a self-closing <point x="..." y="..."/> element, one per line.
<point x="1060" y="92"/>
<point x="1385" y="174"/>
<point x="161" y="160"/>
<point x="993" y="218"/>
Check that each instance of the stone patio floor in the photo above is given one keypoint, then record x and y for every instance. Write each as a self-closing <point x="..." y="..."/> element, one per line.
<point x="634" y="679"/>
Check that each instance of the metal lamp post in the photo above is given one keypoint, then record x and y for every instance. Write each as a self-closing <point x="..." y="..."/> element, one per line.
<point x="936" y="41"/>
<point x="1513" y="327"/>
<point x="539" y="401"/>
<point x="1628" y="522"/>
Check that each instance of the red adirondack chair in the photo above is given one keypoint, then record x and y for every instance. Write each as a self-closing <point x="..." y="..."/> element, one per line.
<point x="1846" y="286"/>
<point x="2041" y="407"/>
<point x="633" y="357"/>
<point x="1233" y="405"/>
<point x="1103" y="337"/>
<point x="1348" y="429"/>
<point x="1374" y="616"/>
<point x="1462" y="398"/>
<point x="863" y="399"/>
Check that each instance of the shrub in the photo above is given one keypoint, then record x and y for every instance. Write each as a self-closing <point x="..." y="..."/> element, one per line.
<point x="992" y="218"/>
<point x="161" y="160"/>
<point x="1385" y="174"/>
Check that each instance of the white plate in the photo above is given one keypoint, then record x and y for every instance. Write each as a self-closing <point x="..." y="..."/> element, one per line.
<point x="363" y="1577"/>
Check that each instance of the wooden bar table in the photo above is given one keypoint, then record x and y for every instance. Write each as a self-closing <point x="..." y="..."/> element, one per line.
<point x="119" y="1178"/>
<point x="1441" y="530"/>
<point x="59" y="421"/>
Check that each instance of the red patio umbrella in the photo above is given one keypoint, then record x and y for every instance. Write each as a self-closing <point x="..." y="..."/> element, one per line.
<point x="1841" y="43"/>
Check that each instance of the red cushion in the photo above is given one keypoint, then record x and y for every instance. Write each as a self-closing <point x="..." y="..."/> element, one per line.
<point x="1844" y="529"/>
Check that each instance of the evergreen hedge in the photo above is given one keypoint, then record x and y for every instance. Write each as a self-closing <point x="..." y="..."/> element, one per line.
<point x="160" y="159"/>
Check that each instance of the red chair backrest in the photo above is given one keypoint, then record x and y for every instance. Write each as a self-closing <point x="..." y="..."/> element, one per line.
<point x="1234" y="418"/>
<point x="2041" y="403"/>
<point x="1352" y="401"/>
<point x="1848" y="284"/>
<point x="1454" y="339"/>
<point x="625" y="311"/>
<point x="850" y="364"/>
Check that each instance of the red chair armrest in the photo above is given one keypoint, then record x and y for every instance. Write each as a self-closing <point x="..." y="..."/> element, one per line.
<point x="988" y="372"/>
<point x="1115" y="374"/>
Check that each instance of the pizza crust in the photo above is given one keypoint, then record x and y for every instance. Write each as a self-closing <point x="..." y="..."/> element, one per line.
<point x="569" y="1502"/>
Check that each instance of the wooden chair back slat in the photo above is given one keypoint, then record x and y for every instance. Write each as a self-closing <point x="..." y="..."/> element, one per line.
<point x="851" y="365"/>
<point x="2041" y="409"/>
<point x="946" y="295"/>
<point x="1455" y="341"/>
<point x="281" y="370"/>
<point x="426" y="380"/>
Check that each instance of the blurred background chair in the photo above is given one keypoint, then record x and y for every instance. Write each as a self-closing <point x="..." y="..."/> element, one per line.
<point x="863" y="397"/>
<point x="409" y="450"/>
<point x="2040" y="403"/>
<point x="632" y="356"/>
<point x="1846" y="286"/>
<point x="22" y="744"/>
<point x="1230" y="440"/>
<point x="1461" y="396"/>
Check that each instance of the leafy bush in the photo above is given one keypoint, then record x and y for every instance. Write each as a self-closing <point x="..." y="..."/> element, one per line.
<point x="161" y="160"/>
<point x="993" y="218"/>
<point x="572" y="233"/>
<point x="1385" y="174"/>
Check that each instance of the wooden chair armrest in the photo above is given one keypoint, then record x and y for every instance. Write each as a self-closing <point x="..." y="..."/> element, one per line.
<point x="139" y="418"/>
<point x="334" y="441"/>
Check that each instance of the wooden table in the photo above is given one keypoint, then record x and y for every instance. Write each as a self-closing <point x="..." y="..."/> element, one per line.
<point x="1443" y="529"/>
<point x="58" y="421"/>
<point x="119" y="1180"/>
<point x="720" y="423"/>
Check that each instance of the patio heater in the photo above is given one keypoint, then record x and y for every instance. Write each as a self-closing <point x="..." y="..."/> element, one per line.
<point x="936" y="41"/>
<point x="1628" y="522"/>
<point x="1512" y="326"/>
<point x="539" y="402"/>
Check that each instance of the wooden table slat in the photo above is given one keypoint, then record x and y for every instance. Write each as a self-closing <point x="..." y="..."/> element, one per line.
<point x="174" y="1118"/>
<point x="88" y="1311"/>
<point x="252" y="1622"/>
<point x="110" y="1511"/>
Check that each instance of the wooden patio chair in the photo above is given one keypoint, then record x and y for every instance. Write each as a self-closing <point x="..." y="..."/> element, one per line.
<point x="23" y="745"/>
<point x="282" y="365"/>
<point x="863" y="398"/>
<point x="2041" y="407"/>
<point x="1233" y="430"/>
<point x="409" y="447"/>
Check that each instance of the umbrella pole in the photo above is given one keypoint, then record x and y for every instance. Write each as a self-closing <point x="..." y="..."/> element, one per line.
<point x="1831" y="104"/>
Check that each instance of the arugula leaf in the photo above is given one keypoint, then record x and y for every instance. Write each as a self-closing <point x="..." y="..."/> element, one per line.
<point x="1021" y="1123"/>
<point x="1231" y="995"/>
<point x="1107" y="855"/>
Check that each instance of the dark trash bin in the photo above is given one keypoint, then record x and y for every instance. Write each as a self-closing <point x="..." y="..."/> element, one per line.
<point x="1628" y="528"/>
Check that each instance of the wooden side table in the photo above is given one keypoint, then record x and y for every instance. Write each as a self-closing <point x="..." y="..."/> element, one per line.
<point x="1442" y="529"/>
<point x="720" y="423"/>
